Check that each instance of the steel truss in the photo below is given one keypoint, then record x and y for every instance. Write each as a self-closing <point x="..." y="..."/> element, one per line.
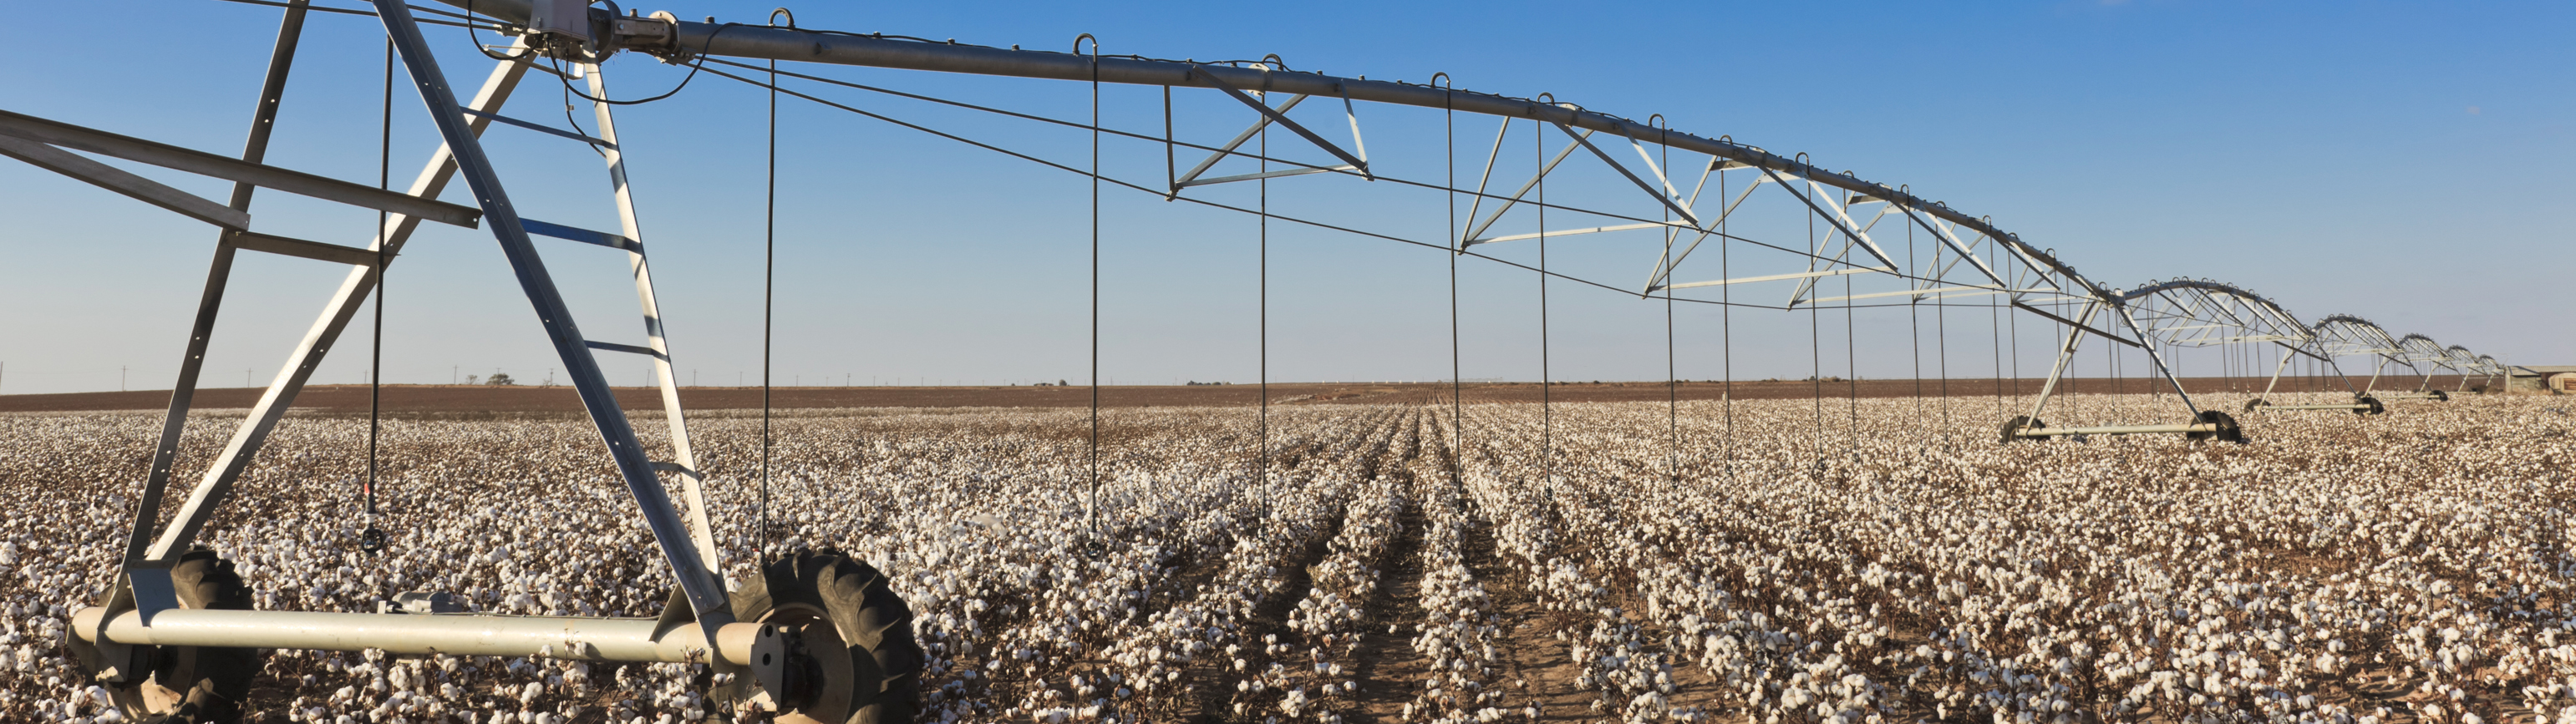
<point x="2335" y="337"/>
<point x="2426" y="357"/>
<point x="119" y="639"/>
<point x="2173" y="314"/>
<point x="1670" y="194"/>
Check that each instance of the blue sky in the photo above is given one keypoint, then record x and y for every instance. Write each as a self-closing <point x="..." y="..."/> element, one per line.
<point x="2398" y="161"/>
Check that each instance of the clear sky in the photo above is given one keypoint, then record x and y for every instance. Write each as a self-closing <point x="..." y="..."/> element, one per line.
<point x="2405" y="162"/>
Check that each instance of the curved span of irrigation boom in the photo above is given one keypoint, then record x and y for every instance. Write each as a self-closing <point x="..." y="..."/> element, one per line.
<point x="1666" y="200"/>
<point x="2170" y="314"/>
<point x="2344" y="335"/>
<point x="2469" y="364"/>
<point x="2200" y="313"/>
<point x="2425" y="357"/>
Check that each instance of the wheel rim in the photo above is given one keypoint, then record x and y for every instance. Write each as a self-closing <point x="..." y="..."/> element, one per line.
<point x="819" y="673"/>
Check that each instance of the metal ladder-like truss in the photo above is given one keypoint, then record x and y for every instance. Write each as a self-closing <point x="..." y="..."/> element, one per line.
<point x="2426" y="358"/>
<point x="2166" y="315"/>
<point x="2339" y="336"/>
<point x="144" y="585"/>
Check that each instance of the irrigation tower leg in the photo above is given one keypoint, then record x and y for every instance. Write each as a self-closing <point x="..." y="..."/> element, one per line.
<point x="2065" y="356"/>
<point x="2161" y="367"/>
<point x="147" y="509"/>
<point x="227" y="466"/>
<point x="697" y="581"/>
<point x="2276" y="377"/>
<point x="684" y="458"/>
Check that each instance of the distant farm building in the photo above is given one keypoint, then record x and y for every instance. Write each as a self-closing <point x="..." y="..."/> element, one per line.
<point x="2555" y="378"/>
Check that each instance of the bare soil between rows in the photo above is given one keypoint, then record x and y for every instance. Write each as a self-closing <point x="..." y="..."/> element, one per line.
<point x="481" y="399"/>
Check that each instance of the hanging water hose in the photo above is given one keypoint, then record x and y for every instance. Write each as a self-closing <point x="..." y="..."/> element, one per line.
<point x="768" y="292"/>
<point x="1095" y="546"/>
<point x="1672" y="375"/>
<point x="1725" y="322"/>
<point x="1457" y="400"/>
<point x="372" y="539"/>
<point x="1815" y="341"/>
<point x="1914" y="322"/>
<point x="1262" y="187"/>
<point x="1546" y="382"/>
<point x="1851" y="357"/>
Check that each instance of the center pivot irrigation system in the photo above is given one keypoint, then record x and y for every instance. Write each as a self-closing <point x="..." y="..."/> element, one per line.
<point x="818" y="636"/>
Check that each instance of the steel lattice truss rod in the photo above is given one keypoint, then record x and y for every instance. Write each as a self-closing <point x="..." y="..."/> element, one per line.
<point x="2201" y="313"/>
<point x="2343" y="335"/>
<point x="2178" y="313"/>
<point x="2417" y="348"/>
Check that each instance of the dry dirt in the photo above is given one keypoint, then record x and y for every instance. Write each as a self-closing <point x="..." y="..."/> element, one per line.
<point x="468" y="399"/>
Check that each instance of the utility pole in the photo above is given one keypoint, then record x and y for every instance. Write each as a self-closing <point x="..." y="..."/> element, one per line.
<point x="451" y="373"/>
<point x="120" y="378"/>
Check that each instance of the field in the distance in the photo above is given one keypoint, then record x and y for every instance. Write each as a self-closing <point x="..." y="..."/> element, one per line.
<point x="342" y="399"/>
<point x="1775" y="562"/>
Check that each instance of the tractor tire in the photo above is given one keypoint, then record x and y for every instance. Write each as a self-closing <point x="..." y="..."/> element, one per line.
<point x="2255" y="404"/>
<point x="2227" y="431"/>
<point x="2374" y="408"/>
<point x="856" y="663"/>
<point x="2018" y="424"/>
<point x="195" y="684"/>
<point x="2440" y="396"/>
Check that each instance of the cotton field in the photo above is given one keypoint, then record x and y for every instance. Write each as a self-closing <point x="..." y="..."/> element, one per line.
<point x="1795" y="561"/>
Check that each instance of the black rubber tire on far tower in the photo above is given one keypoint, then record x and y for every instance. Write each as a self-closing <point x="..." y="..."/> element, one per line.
<point x="195" y="684"/>
<point x="860" y="663"/>
<point x="2018" y="424"/>
<point x="2228" y="430"/>
<point x="2374" y="406"/>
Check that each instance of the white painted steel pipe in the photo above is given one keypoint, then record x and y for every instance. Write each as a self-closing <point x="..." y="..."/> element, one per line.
<point x="2117" y="429"/>
<point x="585" y="639"/>
<point x="2344" y="406"/>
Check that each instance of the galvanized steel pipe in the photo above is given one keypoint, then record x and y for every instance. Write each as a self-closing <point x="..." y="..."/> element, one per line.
<point x="2117" y="429"/>
<point x="585" y="639"/>
<point x="791" y="44"/>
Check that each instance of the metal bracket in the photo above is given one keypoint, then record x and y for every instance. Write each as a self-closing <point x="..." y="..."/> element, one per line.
<point x="1281" y="118"/>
